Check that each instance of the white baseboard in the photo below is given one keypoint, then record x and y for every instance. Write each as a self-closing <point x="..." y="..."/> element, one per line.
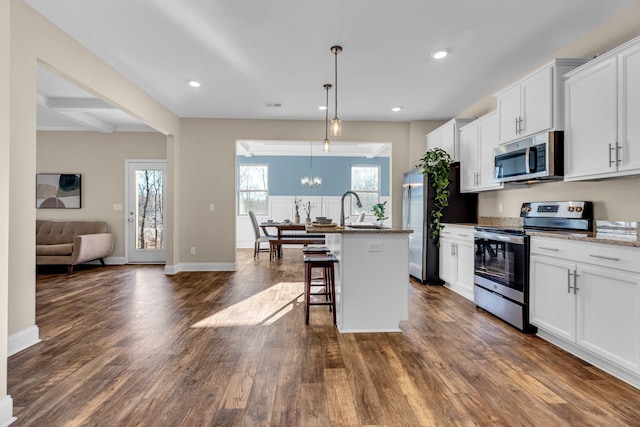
<point x="6" y="411"/>
<point x="22" y="340"/>
<point x="199" y="266"/>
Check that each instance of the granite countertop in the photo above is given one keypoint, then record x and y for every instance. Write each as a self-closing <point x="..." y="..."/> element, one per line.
<point x="608" y="232"/>
<point x="357" y="229"/>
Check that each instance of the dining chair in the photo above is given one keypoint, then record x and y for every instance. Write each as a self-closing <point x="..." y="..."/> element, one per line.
<point x="259" y="238"/>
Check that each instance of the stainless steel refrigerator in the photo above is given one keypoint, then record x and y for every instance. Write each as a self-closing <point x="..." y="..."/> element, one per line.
<point x="418" y="201"/>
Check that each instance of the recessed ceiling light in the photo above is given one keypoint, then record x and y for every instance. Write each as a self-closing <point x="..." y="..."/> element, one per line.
<point x="396" y="109"/>
<point x="322" y="107"/>
<point x="193" y="83"/>
<point x="440" y="54"/>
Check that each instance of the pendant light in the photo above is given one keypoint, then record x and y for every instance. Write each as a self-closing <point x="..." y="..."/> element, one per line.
<point x="325" y="145"/>
<point x="311" y="181"/>
<point x="336" y="125"/>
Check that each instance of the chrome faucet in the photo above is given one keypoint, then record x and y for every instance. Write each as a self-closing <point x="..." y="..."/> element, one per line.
<point x="342" y="205"/>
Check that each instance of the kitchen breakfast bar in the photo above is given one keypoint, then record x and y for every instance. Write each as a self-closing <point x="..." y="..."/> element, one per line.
<point x="371" y="276"/>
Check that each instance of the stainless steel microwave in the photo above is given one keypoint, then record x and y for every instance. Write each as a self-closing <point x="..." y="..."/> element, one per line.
<point x="539" y="157"/>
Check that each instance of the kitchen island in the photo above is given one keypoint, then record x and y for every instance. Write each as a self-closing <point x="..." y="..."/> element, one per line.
<point x="372" y="277"/>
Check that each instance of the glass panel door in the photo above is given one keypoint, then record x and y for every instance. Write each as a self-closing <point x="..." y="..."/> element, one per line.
<point x="146" y="211"/>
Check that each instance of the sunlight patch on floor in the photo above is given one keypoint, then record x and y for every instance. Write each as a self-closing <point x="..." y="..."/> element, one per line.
<point x="263" y="308"/>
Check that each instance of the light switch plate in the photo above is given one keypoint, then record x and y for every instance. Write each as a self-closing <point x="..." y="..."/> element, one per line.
<point x="117" y="207"/>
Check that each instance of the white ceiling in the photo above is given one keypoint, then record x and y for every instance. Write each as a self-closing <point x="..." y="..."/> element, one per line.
<point x="251" y="53"/>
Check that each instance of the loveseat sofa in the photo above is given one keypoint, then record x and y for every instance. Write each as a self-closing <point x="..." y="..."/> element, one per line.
<point x="72" y="242"/>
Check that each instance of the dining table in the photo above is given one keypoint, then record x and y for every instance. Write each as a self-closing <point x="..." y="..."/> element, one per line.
<point x="282" y="231"/>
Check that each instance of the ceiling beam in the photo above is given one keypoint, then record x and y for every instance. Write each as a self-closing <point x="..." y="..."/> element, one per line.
<point x="62" y="104"/>
<point x="89" y="120"/>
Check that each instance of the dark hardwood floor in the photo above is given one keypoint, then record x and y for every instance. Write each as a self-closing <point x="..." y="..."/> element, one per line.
<point x="128" y="345"/>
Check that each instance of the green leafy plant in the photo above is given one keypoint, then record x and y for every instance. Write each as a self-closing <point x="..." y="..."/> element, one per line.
<point x="436" y="164"/>
<point x="378" y="211"/>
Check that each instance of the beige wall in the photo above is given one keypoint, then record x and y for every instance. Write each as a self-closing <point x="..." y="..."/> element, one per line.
<point x="33" y="40"/>
<point x="5" y="26"/>
<point x="208" y="173"/>
<point x="614" y="199"/>
<point x="100" y="158"/>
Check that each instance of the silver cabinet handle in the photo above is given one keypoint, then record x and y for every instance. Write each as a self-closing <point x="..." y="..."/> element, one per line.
<point x="610" y="150"/>
<point x="517" y="130"/>
<point x="569" y="275"/>
<point x="610" y="258"/>
<point x="549" y="249"/>
<point x="463" y="235"/>
<point x="618" y="147"/>
<point x="575" y="282"/>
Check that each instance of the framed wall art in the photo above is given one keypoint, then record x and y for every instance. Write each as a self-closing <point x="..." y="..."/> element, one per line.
<point x="58" y="191"/>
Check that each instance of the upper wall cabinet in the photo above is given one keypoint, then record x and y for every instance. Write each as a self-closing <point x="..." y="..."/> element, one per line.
<point x="602" y="106"/>
<point x="447" y="137"/>
<point x="477" y="141"/>
<point x="534" y="103"/>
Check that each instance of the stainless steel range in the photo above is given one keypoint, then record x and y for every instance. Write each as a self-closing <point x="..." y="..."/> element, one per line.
<point x="501" y="263"/>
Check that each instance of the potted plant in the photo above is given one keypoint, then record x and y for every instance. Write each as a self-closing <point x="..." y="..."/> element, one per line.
<point x="378" y="211"/>
<point x="436" y="164"/>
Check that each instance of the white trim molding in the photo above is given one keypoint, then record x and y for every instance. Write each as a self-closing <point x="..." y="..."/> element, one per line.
<point x="199" y="266"/>
<point x="6" y="411"/>
<point x="23" y="340"/>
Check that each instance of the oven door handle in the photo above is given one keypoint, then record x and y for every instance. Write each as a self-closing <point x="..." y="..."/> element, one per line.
<point x="499" y="237"/>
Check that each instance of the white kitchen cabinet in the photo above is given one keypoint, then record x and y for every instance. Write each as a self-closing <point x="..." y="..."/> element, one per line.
<point x="552" y="305"/>
<point x="447" y="137"/>
<point x="477" y="141"/>
<point x="456" y="259"/>
<point x="585" y="297"/>
<point x="602" y="103"/>
<point x="533" y="104"/>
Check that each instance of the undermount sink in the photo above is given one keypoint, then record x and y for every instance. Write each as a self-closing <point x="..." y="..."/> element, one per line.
<point x="368" y="226"/>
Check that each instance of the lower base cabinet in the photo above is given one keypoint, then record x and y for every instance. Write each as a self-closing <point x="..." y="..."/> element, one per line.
<point x="456" y="259"/>
<point x="585" y="297"/>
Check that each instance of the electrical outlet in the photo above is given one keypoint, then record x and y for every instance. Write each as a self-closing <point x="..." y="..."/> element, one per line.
<point x="375" y="246"/>
<point x="500" y="207"/>
<point x="192" y="251"/>
<point x="212" y="207"/>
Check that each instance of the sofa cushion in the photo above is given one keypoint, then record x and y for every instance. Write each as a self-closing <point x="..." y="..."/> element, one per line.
<point x="58" y="232"/>
<point x="59" y="249"/>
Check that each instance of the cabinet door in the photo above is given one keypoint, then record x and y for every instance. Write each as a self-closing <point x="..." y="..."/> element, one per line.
<point x="468" y="158"/>
<point x="447" y="262"/>
<point x="434" y="140"/>
<point x="487" y="141"/>
<point x="553" y="303"/>
<point x="508" y="114"/>
<point x="608" y="314"/>
<point x="448" y="135"/>
<point x="537" y="103"/>
<point x="590" y="121"/>
<point x="464" y="274"/>
<point x="629" y="109"/>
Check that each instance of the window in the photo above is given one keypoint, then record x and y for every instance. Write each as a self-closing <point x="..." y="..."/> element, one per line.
<point x="365" y="180"/>
<point x="253" y="189"/>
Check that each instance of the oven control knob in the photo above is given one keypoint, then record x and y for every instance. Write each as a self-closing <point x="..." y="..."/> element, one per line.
<point x="571" y="208"/>
<point x="578" y="208"/>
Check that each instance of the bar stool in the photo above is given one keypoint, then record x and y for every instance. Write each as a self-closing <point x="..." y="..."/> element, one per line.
<point x="325" y="262"/>
<point x="314" y="250"/>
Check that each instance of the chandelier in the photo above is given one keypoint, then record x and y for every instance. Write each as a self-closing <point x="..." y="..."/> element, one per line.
<point x="310" y="180"/>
